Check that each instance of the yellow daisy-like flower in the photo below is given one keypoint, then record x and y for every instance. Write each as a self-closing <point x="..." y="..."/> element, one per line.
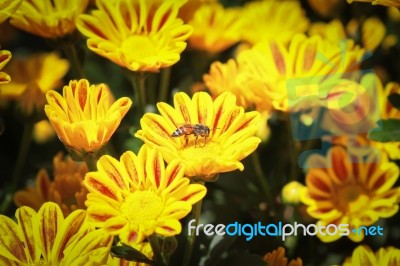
<point x="66" y="189"/>
<point x="48" y="18"/>
<point x="5" y="56"/>
<point x="49" y="238"/>
<point x="7" y="8"/>
<point x="372" y="32"/>
<point x="207" y="136"/>
<point x="261" y="75"/>
<point x="31" y="80"/>
<point x="277" y="258"/>
<point x="395" y="3"/>
<point x="215" y="28"/>
<point x="364" y="256"/>
<point x="138" y="195"/>
<point x="343" y="192"/>
<point x="268" y="20"/>
<point x="140" y="35"/>
<point x="84" y="117"/>
<point x="224" y="77"/>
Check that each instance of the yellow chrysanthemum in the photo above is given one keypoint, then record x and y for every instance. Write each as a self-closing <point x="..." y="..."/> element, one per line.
<point x="357" y="192"/>
<point x="228" y="76"/>
<point x="31" y="80"/>
<point x="277" y="258"/>
<point x="5" y="56"/>
<point x="7" y="8"/>
<point x="140" y="35"/>
<point x="138" y="195"/>
<point x="395" y="3"/>
<point x="225" y="133"/>
<point x="48" y="18"/>
<point x="364" y="256"/>
<point x="85" y="118"/>
<point x="66" y="189"/>
<point x="313" y="66"/>
<point x="47" y="238"/>
<point x="372" y="32"/>
<point x="215" y="28"/>
<point x="268" y="20"/>
<point x="389" y="112"/>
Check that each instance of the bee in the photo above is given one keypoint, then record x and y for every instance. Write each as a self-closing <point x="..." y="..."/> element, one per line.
<point x="188" y="129"/>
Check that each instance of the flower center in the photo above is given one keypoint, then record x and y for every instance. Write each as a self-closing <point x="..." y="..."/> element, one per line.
<point x="352" y="199"/>
<point x="202" y="150"/>
<point x="138" y="47"/>
<point x="142" y="207"/>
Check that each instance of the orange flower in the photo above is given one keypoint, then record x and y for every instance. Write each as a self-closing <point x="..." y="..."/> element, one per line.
<point x="66" y="189"/>
<point x="189" y="8"/>
<point x="349" y="189"/>
<point x="31" y="80"/>
<point x="277" y="258"/>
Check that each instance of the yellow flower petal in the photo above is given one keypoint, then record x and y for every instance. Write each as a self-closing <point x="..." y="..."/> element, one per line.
<point x="7" y="8"/>
<point x="11" y="246"/>
<point x="49" y="222"/>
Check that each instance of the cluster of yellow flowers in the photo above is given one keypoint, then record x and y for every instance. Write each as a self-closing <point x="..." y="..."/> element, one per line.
<point x="280" y="66"/>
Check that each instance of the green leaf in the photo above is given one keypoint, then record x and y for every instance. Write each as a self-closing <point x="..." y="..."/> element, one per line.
<point x="129" y="253"/>
<point x="394" y="100"/>
<point x="388" y="130"/>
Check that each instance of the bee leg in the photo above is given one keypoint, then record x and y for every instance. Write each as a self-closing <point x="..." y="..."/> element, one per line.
<point x="195" y="141"/>
<point x="186" y="140"/>
<point x="205" y="141"/>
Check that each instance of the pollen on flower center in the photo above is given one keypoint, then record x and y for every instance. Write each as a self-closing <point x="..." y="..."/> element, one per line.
<point x="352" y="198"/>
<point x="142" y="206"/>
<point x="201" y="150"/>
<point x="138" y="47"/>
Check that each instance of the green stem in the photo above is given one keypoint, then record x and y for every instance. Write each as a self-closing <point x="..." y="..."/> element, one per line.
<point x="138" y="81"/>
<point x="196" y="211"/>
<point x="19" y="166"/>
<point x="294" y="151"/>
<point x="70" y="52"/>
<point x="91" y="161"/>
<point x="165" y="77"/>
<point x="263" y="181"/>
<point x="155" y="246"/>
